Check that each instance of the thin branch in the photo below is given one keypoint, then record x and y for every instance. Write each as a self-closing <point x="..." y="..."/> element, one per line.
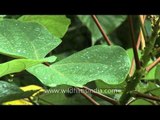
<point x="131" y="101"/>
<point x="108" y="99"/>
<point x="141" y="95"/>
<point x="101" y="29"/>
<point x="88" y="97"/>
<point x="134" y="99"/>
<point x="140" y="39"/>
<point x="133" y="60"/>
<point x="138" y="66"/>
<point x="143" y="37"/>
<point x="152" y="65"/>
<point x="141" y="19"/>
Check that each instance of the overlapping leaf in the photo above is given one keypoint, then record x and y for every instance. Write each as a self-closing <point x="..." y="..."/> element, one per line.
<point x="56" y="24"/>
<point x="26" y="39"/>
<point x="18" y="65"/>
<point x="108" y="22"/>
<point x="108" y="63"/>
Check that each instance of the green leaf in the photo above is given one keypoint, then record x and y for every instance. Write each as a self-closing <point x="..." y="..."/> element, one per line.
<point x="18" y="65"/>
<point x="56" y="24"/>
<point x="60" y="96"/>
<point x="140" y="102"/>
<point x="108" y="22"/>
<point x="110" y="64"/>
<point x="25" y="39"/>
<point x="9" y="92"/>
<point x="157" y="72"/>
<point x="110" y="89"/>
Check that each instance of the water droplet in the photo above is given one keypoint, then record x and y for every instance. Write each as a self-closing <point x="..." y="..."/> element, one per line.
<point x="97" y="68"/>
<point x="52" y="85"/>
<point x="88" y="57"/>
<point x="37" y="29"/>
<point x="4" y="85"/>
<point x="90" y="75"/>
<point x="10" y="80"/>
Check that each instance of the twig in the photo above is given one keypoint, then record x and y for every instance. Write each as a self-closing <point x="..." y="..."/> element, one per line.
<point x="141" y="95"/>
<point x="142" y="30"/>
<point x="108" y="99"/>
<point x="138" y="65"/>
<point x="140" y="39"/>
<point x="131" y="101"/>
<point x="101" y="29"/>
<point x="152" y="65"/>
<point x="88" y="97"/>
<point x="133" y="60"/>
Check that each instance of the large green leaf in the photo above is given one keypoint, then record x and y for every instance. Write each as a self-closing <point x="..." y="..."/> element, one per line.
<point x="18" y="65"/>
<point x="56" y="24"/>
<point x="108" y="22"/>
<point x="25" y="39"/>
<point x="9" y="92"/>
<point x="108" y="63"/>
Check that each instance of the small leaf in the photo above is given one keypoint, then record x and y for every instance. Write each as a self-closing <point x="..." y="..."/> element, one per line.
<point x="18" y="65"/>
<point x="56" y="24"/>
<point x="10" y="92"/>
<point x="25" y="39"/>
<point x="157" y="72"/>
<point x="108" y="22"/>
<point x="108" y="63"/>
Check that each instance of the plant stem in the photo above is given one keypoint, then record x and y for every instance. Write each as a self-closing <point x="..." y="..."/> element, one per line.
<point x="152" y="65"/>
<point x="140" y="73"/>
<point x="138" y="66"/>
<point x="141" y="95"/>
<point x="88" y="97"/>
<point x="101" y="30"/>
<point x="142" y="19"/>
<point x="131" y="85"/>
<point x="150" y="45"/>
<point x="108" y="99"/>
<point x="133" y="60"/>
<point x="139" y="41"/>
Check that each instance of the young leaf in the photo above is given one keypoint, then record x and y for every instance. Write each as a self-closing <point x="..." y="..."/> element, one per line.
<point x="10" y="92"/>
<point x="56" y="24"/>
<point x="17" y="65"/>
<point x="108" y="22"/>
<point x="110" y="64"/>
<point x="25" y="39"/>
